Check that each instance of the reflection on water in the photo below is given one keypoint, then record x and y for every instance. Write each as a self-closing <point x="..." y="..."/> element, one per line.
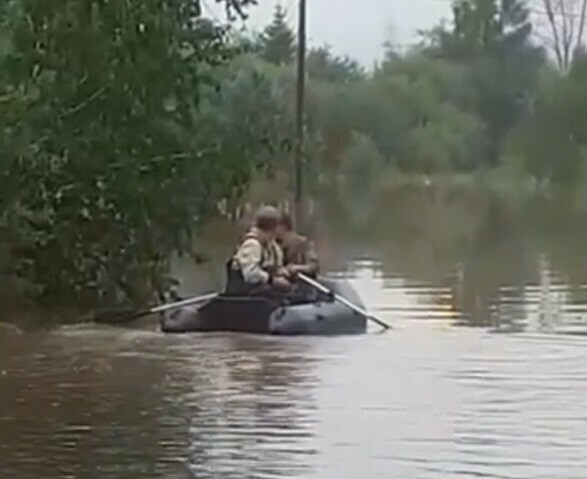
<point x="123" y="404"/>
<point x="424" y="401"/>
<point x="434" y="398"/>
<point x="473" y="259"/>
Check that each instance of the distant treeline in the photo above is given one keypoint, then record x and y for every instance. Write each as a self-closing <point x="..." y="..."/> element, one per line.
<point x="477" y="93"/>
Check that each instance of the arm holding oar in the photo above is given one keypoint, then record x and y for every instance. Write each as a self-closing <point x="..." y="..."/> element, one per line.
<point x="299" y="255"/>
<point x="342" y="300"/>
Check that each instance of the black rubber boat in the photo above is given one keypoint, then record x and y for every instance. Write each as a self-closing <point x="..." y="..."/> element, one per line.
<point x="259" y="315"/>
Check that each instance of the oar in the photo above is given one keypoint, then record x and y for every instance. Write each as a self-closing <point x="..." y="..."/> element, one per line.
<point x="342" y="300"/>
<point x="118" y="317"/>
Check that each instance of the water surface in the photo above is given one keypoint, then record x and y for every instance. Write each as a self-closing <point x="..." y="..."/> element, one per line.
<point x="482" y="377"/>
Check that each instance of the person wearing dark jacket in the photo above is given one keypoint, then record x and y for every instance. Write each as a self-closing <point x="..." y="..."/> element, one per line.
<point x="299" y="255"/>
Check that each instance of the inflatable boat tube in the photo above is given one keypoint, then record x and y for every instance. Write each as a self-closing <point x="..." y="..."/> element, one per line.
<point x="249" y="314"/>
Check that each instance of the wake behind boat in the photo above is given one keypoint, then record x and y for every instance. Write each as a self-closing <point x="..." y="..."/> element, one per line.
<point x="261" y="315"/>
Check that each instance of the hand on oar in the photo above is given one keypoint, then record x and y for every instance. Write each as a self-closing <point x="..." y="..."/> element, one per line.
<point x="123" y="316"/>
<point x="342" y="300"/>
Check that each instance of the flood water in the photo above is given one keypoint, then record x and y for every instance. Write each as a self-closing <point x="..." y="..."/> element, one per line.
<point x="483" y="375"/>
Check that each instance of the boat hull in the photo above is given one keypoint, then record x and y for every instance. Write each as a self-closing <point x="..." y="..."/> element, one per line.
<point x="263" y="316"/>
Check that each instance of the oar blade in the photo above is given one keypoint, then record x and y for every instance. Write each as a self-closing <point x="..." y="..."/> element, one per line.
<point x="380" y="322"/>
<point x="117" y="316"/>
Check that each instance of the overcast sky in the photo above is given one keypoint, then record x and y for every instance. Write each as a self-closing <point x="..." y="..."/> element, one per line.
<point x="356" y="28"/>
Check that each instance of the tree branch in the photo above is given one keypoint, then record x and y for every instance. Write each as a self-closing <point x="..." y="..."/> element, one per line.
<point x="555" y="33"/>
<point x="83" y="104"/>
<point x="567" y="38"/>
<point x="582" y="19"/>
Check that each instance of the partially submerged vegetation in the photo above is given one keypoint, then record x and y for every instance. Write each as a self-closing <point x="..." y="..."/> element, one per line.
<point x="109" y="157"/>
<point x="126" y="126"/>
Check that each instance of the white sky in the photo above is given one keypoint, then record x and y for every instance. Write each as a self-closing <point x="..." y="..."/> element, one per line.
<point x="356" y="28"/>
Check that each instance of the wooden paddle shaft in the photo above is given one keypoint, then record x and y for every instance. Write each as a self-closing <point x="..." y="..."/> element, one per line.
<point x="185" y="302"/>
<point x="342" y="300"/>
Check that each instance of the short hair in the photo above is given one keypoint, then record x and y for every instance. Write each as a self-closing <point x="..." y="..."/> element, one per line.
<point x="286" y="220"/>
<point x="267" y="218"/>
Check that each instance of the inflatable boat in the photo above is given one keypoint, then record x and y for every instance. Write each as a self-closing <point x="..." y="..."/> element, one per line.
<point x="249" y="314"/>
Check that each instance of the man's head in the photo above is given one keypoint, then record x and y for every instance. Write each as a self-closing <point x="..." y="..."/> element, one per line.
<point x="284" y="225"/>
<point x="266" y="221"/>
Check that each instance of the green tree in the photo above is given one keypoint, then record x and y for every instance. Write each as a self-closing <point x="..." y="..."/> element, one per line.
<point x="277" y="40"/>
<point x="358" y="176"/>
<point x="491" y="39"/>
<point x="322" y="65"/>
<point x="245" y="117"/>
<point x="553" y="140"/>
<point x="407" y="109"/>
<point x="105" y="164"/>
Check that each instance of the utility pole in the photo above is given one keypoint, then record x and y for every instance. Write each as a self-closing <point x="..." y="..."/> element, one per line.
<point x="299" y="145"/>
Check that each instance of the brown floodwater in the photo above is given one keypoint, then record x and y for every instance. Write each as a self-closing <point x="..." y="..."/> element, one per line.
<point x="483" y="375"/>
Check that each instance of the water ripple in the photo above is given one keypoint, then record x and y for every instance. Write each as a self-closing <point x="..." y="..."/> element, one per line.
<point x="427" y="401"/>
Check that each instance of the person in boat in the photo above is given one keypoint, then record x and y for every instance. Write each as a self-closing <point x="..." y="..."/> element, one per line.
<point x="299" y="255"/>
<point x="257" y="264"/>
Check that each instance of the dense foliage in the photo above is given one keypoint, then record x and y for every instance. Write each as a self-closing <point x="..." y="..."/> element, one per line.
<point x="106" y="160"/>
<point x="478" y="94"/>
